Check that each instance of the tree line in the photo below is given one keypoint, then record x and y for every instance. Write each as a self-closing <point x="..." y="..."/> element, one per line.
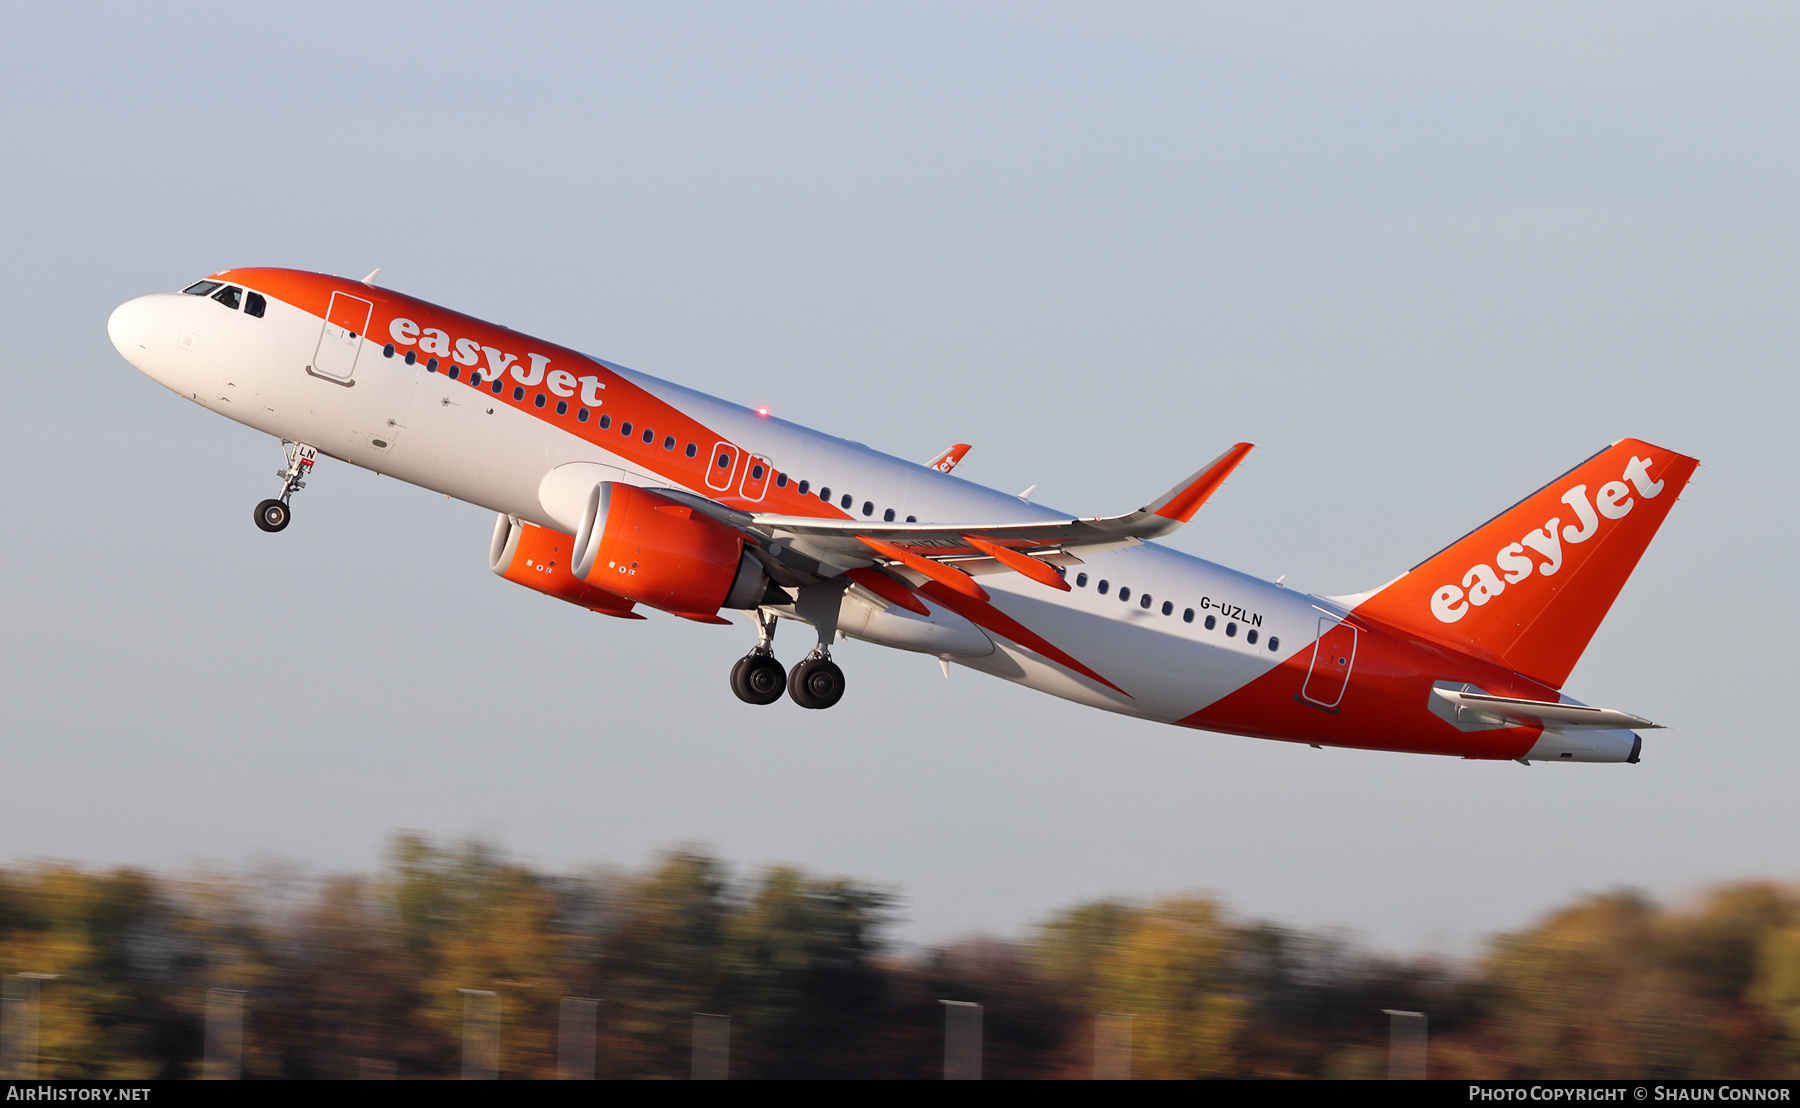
<point x="349" y="972"/>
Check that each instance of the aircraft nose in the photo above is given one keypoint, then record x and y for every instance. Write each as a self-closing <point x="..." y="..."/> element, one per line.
<point x="130" y="326"/>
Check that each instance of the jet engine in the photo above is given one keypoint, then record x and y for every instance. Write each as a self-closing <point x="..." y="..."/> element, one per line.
<point x="538" y="558"/>
<point x="654" y="550"/>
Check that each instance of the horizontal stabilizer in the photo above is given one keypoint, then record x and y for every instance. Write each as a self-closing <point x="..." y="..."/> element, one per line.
<point x="1543" y="714"/>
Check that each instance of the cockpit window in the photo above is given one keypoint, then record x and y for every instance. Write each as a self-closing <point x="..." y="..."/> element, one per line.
<point x="201" y="288"/>
<point x="231" y="296"/>
<point x="254" y="304"/>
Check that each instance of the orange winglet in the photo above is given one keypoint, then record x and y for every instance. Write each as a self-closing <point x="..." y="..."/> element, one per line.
<point x="948" y="576"/>
<point x="888" y="589"/>
<point x="946" y="461"/>
<point x="1184" y="504"/>
<point x="1038" y="571"/>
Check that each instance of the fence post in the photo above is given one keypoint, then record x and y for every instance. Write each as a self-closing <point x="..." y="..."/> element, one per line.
<point x="712" y="1048"/>
<point x="962" y="1040"/>
<point x="19" y="1024"/>
<point x="1112" y="1047"/>
<point x="224" y="1034"/>
<point x="481" y="1035"/>
<point x="1406" y="1045"/>
<point x="575" y="1039"/>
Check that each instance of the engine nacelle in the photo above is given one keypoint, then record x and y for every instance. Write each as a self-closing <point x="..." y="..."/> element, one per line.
<point x="539" y="558"/>
<point x="657" y="551"/>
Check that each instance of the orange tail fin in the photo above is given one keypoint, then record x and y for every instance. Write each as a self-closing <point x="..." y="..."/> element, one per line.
<point x="1530" y="587"/>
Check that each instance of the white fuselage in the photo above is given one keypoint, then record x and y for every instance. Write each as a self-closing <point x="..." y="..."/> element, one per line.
<point x="405" y="422"/>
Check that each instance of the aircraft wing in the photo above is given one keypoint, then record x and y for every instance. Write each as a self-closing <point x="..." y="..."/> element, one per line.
<point x="949" y="552"/>
<point x="1543" y="714"/>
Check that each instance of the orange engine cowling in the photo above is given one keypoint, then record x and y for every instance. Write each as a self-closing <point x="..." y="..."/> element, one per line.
<point x="657" y="551"/>
<point x="539" y="558"/>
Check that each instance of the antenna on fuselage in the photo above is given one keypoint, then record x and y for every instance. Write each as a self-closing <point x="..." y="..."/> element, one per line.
<point x="370" y="279"/>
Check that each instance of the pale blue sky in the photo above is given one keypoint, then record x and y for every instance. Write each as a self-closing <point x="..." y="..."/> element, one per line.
<point x="1426" y="256"/>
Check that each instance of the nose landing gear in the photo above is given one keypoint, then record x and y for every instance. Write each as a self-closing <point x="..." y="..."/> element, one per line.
<point x="273" y="514"/>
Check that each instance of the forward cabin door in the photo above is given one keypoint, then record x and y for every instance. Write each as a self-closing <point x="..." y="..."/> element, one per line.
<point x="1334" y="653"/>
<point x="341" y="339"/>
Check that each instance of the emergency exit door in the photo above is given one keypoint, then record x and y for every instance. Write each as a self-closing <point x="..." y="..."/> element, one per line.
<point x="1334" y="653"/>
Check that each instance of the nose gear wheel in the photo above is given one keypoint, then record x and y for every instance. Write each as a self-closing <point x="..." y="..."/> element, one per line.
<point x="274" y="514"/>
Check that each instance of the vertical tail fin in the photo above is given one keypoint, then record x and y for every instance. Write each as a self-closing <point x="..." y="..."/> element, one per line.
<point x="1530" y="587"/>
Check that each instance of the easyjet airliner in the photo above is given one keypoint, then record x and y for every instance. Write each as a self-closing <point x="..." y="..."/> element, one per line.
<point x="617" y="491"/>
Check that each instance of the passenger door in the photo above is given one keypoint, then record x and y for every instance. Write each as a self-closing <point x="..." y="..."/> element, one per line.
<point x="341" y="338"/>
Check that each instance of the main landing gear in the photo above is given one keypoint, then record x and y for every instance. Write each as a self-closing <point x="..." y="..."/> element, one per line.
<point x="273" y="514"/>
<point x="757" y="678"/>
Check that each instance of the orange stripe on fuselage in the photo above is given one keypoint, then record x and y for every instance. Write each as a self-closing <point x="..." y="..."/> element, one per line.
<point x="984" y="613"/>
<point x="621" y="399"/>
<point x="1384" y="706"/>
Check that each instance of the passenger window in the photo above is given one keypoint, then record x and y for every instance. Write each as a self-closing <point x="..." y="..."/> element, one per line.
<point x="412" y="356"/>
<point x="649" y="435"/>
<point x="231" y="296"/>
<point x="540" y="400"/>
<point x="605" y="422"/>
<point x="254" y="304"/>
<point x="669" y="443"/>
<point x="1274" y="642"/>
<point x="1124" y="593"/>
<point x="1101" y="587"/>
<point x="825" y="494"/>
<point x="496" y="384"/>
<point x="582" y="415"/>
<point x="801" y="488"/>
<point x="625" y="428"/>
<point x="201" y="288"/>
<point x="887" y="516"/>
<point x="1211" y="622"/>
<point x="724" y="461"/>
<point x="692" y="450"/>
<point x="1231" y="630"/>
<point x="518" y="393"/>
<point x="562" y="407"/>
<point x="912" y="519"/>
<point x="1168" y="608"/>
<point x="1144" y="601"/>
<point x="388" y="350"/>
<point x="756" y="473"/>
<point x="474" y="377"/>
<point x="868" y="508"/>
<point x="781" y="480"/>
<point x="1081" y="580"/>
<point x="1187" y="616"/>
<point x="431" y="365"/>
<point x="845" y="503"/>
